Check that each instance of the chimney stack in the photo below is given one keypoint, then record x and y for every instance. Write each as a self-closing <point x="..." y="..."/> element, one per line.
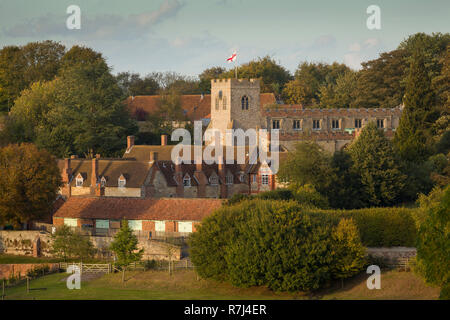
<point x="94" y="173"/>
<point x="153" y="156"/>
<point x="164" y="140"/>
<point x="179" y="178"/>
<point x="67" y="171"/>
<point x="222" y="178"/>
<point x="130" y="142"/>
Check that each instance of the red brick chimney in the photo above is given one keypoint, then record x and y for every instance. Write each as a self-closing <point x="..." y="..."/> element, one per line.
<point x="164" y="140"/>
<point x="202" y="180"/>
<point x="130" y="142"/>
<point x="67" y="171"/>
<point x="94" y="173"/>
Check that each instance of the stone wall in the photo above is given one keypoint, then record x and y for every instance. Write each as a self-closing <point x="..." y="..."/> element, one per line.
<point x="391" y="255"/>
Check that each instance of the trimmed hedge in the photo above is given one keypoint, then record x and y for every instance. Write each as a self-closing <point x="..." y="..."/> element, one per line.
<point x="383" y="227"/>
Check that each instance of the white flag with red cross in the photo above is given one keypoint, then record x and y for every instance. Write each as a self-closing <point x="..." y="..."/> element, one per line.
<point x="232" y="58"/>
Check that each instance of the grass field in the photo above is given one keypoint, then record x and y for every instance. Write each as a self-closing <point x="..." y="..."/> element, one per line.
<point x="184" y="285"/>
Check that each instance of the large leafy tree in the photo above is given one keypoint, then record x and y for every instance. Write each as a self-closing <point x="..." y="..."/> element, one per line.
<point x="133" y="84"/>
<point x="341" y="94"/>
<point x="29" y="183"/>
<point x="376" y="165"/>
<point x="69" y="244"/>
<point x="207" y="75"/>
<point x="21" y="66"/>
<point x="80" y="112"/>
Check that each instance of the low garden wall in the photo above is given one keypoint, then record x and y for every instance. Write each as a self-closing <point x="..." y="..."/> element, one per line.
<point x="8" y="271"/>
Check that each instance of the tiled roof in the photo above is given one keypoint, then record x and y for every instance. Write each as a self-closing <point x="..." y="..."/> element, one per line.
<point x="195" y="107"/>
<point x="138" y="209"/>
<point x="135" y="172"/>
<point x="298" y="111"/>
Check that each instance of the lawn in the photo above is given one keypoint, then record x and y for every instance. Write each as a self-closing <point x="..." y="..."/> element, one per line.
<point x="184" y="285"/>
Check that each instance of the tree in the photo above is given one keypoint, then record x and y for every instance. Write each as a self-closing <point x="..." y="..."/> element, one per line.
<point x="68" y="244"/>
<point x="133" y="85"/>
<point x="413" y="136"/>
<point x="349" y="253"/>
<point x="375" y="163"/>
<point x="339" y="95"/>
<point x="308" y="164"/>
<point x="21" y="66"/>
<point x="80" y="112"/>
<point x="207" y="75"/>
<point x="125" y="247"/>
<point x="273" y="76"/>
<point x="433" y="248"/>
<point x="296" y="92"/>
<point x="29" y="183"/>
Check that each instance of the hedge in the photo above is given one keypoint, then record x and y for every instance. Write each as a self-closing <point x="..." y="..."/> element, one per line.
<point x="383" y="227"/>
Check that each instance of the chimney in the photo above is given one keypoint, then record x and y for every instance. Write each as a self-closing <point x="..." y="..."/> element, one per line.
<point x="130" y="142"/>
<point x="164" y="140"/>
<point x="94" y="173"/>
<point x="153" y="156"/>
<point x="67" y="171"/>
<point x="199" y="166"/>
<point x="202" y="180"/>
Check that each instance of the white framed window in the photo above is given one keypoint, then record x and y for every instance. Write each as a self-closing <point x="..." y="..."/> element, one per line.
<point x="357" y="123"/>
<point x="135" y="225"/>
<point x="229" y="179"/>
<point x="265" y="179"/>
<point x="79" y="181"/>
<point x="160" y="226"/>
<point x="71" y="222"/>
<point x="213" y="180"/>
<point x="122" y="181"/>
<point x="242" y="177"/>
<point x="184" y="226"/>
<point x="335" y="124"/>
<point x="316" y="124"/>
<point x="276" y="124"/>
<point x="187" y="181"/>
<point x="297" y="124"/>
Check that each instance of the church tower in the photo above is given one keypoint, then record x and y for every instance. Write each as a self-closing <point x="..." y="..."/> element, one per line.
<point x="235" y="104"/>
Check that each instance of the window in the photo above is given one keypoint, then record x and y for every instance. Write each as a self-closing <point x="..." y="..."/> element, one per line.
<point x="79" y="181"/>
<point x="160" y="226"/>
<point x="184" y="226"/>
<point x="380" y="123"/>
<point x="296" y="125"/>
<point x="275" y="124"/>
<point x="357" y="123"/>
<point x="254" y="178"/>
<point x="335" y="124"/>
<point x="217" y="103"/>
<point x="101" y="224"/>
<point x="242" y="177"/>
<point x="135" y="224"/>
<point x="213" y="180"/>
<point x="316" y="124"/>
<point x="220" y="94"/>
<point x="265" y="179"/>
<point x="103" y="182"/>
<point x="71" y="222"/>
<point x="187" y="181"/>
<point x="122" y="181"/>
<point x="224" y="103"/>
<point x="244" y="103"/>
<point x="229" y="179"/>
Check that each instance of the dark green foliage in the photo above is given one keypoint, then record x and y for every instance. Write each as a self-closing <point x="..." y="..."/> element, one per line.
<point x="125" y="247"/>
<point x="375" y="163"/>
<point x="275" y="243"/>
<point x="69" y="244"/>
<point x="433" y="247"/>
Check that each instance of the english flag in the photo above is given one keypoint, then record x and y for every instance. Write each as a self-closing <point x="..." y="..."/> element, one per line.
<point x="232" y="58"/>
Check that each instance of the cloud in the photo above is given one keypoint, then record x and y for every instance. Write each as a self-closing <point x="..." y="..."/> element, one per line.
<point x="359" y="52"/>
<point x="102" y="27"/>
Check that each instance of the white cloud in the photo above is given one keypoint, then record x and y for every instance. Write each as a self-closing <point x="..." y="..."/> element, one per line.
<point x="355" y="47"/>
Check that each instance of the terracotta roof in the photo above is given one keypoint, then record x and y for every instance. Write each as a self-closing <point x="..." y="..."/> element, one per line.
<point x="135" y="172"/>
<point x="298" y="111"/>
<point x="195" y="106"/>
<point x="138" y="209"/>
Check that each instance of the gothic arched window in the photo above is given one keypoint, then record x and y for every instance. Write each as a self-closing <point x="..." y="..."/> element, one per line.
<point x="244" y="103"/>
<point x="224" y="103"/>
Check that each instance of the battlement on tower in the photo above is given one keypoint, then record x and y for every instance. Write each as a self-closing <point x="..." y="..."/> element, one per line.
<point x="236" y="83"/>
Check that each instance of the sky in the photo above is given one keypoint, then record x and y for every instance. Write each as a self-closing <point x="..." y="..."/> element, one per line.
<point x="188" y="36"/>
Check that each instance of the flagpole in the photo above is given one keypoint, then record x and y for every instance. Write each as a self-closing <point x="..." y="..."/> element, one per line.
<point x="235" y="69"/>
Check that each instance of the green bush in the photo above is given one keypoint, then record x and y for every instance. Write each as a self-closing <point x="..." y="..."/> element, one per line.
<point x="275" y="243"/>
<point x="383" y="227"/>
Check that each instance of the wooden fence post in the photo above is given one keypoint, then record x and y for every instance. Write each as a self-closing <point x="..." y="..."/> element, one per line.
<point x="28" y="285"/>
<point x="3" y="289"/>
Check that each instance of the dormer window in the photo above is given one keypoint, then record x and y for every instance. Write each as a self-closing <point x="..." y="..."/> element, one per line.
<point x="122" y="181"/>
<point x="103" y="182"/>
<point x="187" y="181"/>
<point x="213" y="180"/>
<point x="79" y="180"/>
<point x="244" y="103"/>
